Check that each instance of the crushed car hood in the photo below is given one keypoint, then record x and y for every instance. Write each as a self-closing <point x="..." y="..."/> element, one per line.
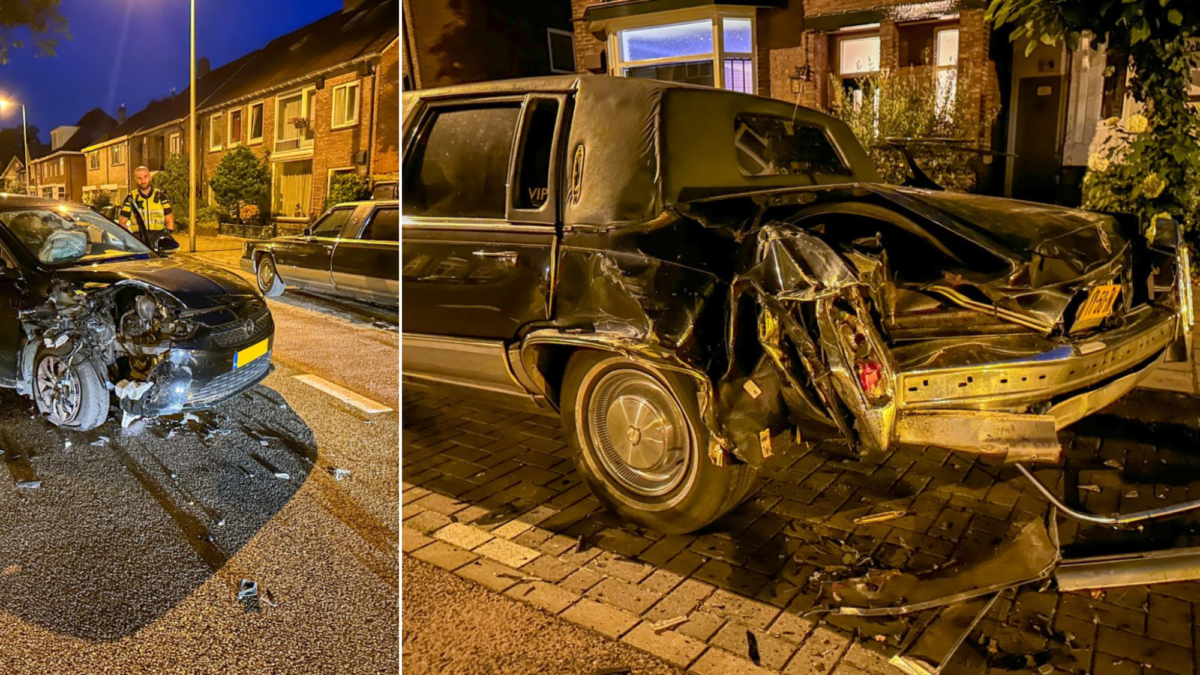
<point x="196" y="285"/>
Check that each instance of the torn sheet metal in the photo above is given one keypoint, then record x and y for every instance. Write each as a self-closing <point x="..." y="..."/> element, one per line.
<point x="1030" y="555"/>
<point x="935" y="645"/>
<point x="1132" y="569"/>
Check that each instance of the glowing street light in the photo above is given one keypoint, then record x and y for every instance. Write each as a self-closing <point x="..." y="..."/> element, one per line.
<point x="4" y="103"/>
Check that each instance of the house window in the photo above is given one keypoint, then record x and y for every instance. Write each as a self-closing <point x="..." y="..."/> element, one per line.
<point x="345" y="105"/>
<point x="215" y="132"/>
<point x="716" y="49"/>
<point x="235" y="127"/>
<point x="256" y="123"/>
<point x="117" y="155"/>
<point x="945" y="57"/>
<point x="62" y="192"/>
<point x="858" y="55"/>
<point x="293" y="121"/>
<point x="176" y="144"/>
<point x="562" y="50"/>
<point x="292" y="191"/>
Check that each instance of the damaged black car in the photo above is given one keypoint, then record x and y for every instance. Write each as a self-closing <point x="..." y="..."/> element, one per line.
<point x="698" y="281"/>
<point x="91" y="313"/>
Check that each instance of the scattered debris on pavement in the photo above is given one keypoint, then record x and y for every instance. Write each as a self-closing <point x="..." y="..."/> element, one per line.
<point x="248" y="590"/>
<point x="879" y="517"/>
<point x="667" y="624"/>
<point x="1028" y="556"/>
<point x="339" y="474"/>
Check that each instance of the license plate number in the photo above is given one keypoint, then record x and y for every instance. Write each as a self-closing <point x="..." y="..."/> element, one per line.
<point x="1097" y="306"/>
<point x="243" y="357"/>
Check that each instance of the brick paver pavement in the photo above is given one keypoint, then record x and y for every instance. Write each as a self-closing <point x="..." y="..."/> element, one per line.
<point x="732" y="598"/>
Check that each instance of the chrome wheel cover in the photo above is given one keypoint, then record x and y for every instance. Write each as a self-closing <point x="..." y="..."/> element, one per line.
<point x="58" y="389"/>
<point x="266" y="274"/>
<point x="639" y="432"/>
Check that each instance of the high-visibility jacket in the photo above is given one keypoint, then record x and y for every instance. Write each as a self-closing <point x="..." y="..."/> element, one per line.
<point x="153" y="208"/>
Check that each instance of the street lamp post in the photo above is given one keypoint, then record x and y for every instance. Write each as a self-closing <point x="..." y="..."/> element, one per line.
<point x="192" y="141"/>
<point x="4" y="103"/>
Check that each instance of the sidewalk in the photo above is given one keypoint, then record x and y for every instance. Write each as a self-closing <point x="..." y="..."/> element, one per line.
<point x="218" y="250"/>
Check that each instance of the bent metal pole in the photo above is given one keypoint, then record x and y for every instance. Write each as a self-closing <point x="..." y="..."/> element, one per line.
<point x="1117" y="519"/>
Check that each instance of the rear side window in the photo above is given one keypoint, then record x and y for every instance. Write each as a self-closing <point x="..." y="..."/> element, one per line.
<point x="384" y="226"/>
<point x="775" y="146"/>
<point x="534" y="184"/>
<point x="459" y="165"/>
<point x="333" y="222"/>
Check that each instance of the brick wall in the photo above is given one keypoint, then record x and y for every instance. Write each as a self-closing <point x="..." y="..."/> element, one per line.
<point x="385" y="155"/>
<point x="586" y="45"/>
<point x="332" y="148"/>
<point x="108" y="174"/>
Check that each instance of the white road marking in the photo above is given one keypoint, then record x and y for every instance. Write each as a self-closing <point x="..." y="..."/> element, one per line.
<point x="343" y="394"/>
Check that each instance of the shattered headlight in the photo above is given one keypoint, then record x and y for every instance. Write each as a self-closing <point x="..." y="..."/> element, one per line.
<point x="147" y="307"/>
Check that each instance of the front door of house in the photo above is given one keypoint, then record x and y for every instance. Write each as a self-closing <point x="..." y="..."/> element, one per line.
<point x="1036" y="168"/>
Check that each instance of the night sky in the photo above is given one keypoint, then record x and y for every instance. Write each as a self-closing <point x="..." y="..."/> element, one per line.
<point x="132" y="51"/>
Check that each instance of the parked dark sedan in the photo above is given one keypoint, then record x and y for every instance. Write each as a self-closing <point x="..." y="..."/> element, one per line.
<point x="87" y="308"/>
<point x="352" y="252"/>
<point x="696" y="279"/>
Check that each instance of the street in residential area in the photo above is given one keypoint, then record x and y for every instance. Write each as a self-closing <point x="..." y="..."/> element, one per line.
<point x="126" y="549"/>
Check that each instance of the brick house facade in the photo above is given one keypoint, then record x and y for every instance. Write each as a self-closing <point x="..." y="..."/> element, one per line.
<point x="60" y="175"/>
<point x="319" y="152"/>
<point x="385" y="153"/>
<point x="108" y="168"/>
<point x="793" y="49"/>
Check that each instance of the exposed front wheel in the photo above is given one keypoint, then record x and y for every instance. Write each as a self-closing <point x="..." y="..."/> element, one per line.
<point x="641" y="446"/>
<point x="69" y="395"/>
<point x="269" y="283"/>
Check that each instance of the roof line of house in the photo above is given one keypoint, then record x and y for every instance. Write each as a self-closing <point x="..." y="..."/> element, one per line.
<point x="55" y="154"/>
<point x="262" y="93"/>
<point x="101" y="144"/>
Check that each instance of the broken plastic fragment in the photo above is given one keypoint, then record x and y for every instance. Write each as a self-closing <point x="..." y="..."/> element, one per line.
<point x="29" y="484"/>
<point x="752" y="389"/>
<point x="132" y="389"/>
<point x="127" y="419"/>
<point x="1090" y="488"/>
<point x="189" y="417"/>
<point x="879" y="517"/>
<point x="249" y="590"/>
<point x="667" y="624"/>
<point x="339" y="474"/>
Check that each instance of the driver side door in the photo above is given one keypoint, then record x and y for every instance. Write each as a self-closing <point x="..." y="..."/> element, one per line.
<point x="304" y="260"/>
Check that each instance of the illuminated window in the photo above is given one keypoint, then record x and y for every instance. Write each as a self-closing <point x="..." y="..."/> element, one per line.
<point x="716" y="50"/>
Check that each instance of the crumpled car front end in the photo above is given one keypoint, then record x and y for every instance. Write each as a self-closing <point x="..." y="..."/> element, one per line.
<point x="167" y="336"/>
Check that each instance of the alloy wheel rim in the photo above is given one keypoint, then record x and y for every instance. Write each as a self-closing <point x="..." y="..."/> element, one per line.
<point x="58" y="389"/>
<point x="639" y="432"/>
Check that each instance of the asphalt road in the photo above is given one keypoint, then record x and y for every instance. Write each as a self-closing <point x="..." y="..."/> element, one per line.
<point x="124" y="550"/>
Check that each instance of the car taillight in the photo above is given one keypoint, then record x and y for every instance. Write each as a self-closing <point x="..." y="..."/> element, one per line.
<point x="870" y="376"/>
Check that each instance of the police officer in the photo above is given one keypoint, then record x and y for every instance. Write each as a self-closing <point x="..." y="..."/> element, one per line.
<point x="149" y="209"/>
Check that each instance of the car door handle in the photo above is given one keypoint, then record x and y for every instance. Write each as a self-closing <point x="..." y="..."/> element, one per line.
<point x="507" y="258"/>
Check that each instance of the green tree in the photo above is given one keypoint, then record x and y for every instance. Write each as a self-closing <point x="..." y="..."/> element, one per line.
<point x="173" y="181"/>
<point x="242" y="178"/>
<point x="1157" y="168"/>
<point x="99" y="199"/>
<point x="347" y="187"/>
<point x="41" y="18"/>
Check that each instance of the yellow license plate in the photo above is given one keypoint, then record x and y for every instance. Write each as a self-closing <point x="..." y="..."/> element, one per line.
<point x="245" y="356"/>
<point x="1099" y="303"/>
